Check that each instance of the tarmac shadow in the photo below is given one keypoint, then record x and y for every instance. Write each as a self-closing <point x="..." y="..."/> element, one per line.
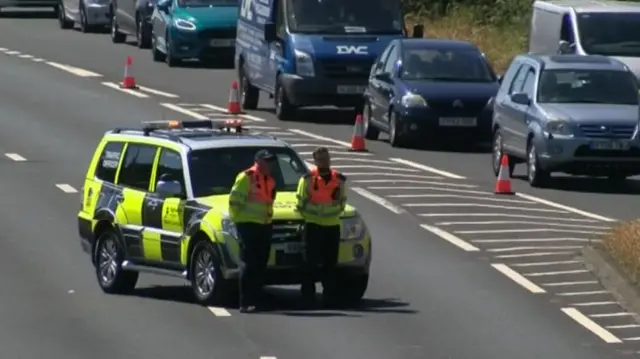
<point x="26" y="14"/>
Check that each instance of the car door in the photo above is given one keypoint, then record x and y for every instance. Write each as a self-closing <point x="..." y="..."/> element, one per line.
<point x="275" y="49"/>
<point x="522" y="122"/>
<point x="159" y="23"/>
<point x="386" y="91"/>
<point x="372" y="93"/>
<point x="512" y="112"/>
<point x="134" y="177"/>
<point x="162" y="216"/>
<point x="127" y="15"/>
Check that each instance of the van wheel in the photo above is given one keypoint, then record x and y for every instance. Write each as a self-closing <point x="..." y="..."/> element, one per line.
<point x="207" y="283"/>
<point x="116" y="36"/>
<point x="249" y="94"/>
<point x="370" y="132"/>
<point x="536" y="176"/>
<point x="143" y="35"/>
<point x="285" y="111"/>
<point x="64" y="23"/>
<point x="108" y="264"/>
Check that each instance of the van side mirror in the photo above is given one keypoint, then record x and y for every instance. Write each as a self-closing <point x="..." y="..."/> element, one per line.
<point x="164" y="6"/>
<point x="520" y="98"/>
<point x="565" y="47"/>
<point x="270" y="32"/>
<point x="418" y="31"/>
<point x="169" y="188"/>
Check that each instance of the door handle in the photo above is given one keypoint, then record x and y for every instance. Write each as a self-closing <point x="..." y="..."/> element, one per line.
<point x="119" y="197"/>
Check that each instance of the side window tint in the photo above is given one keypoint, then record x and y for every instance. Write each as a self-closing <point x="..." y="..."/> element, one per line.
<point x="170" y="168"/>
<point x="382" y="59"/>
<point x="391" y="61"/>
<point x="518" y="81"/>
<point x="566" y="32"/>
<point x="108" y="163"/>
<point x="137" y="166"/>
<point x="529" y="82"/>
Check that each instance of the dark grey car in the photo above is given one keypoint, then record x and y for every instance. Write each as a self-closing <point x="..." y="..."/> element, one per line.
<point x="132" y="18"/>
<point x="568" y="113"/>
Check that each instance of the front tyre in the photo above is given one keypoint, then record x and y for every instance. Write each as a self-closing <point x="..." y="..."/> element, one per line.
<point x="143" y="35"/>
<point x="396" y="139"/>
<point x="63" y="22"/>
<point x="536" y="176"/>
<point x="370" y="132"/>
<point x="117" y="37"/>
<point x="156" y="54"/>
<point x="207" y="283"/>
<point x="112" y="279"/>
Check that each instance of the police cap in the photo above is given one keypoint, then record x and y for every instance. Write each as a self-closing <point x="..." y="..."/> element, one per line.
<point x="264" y="155"/>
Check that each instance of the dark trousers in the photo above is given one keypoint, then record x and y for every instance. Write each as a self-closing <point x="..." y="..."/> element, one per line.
<point x="255" y="246"/>
<point x="322" y="244"/>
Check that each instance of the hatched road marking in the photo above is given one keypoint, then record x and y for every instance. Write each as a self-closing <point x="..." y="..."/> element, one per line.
<point x="73" y="70"/>
<point x="378" y="200"/>
<point x="592" y="326"/>
<point x="219" y="312"/>
<point x="66" y="188"/>
<point x="15" y="157"/>
<point x="460" y="243"/>
<point x="518" y="278"/>
<point x="127" y="91"/>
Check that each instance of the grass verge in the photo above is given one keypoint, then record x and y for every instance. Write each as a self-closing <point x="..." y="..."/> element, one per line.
<point x="623" y="245"/>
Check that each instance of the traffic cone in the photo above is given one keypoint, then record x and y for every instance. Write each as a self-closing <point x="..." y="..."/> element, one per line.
<point x="357" y="140"/>
<point x="233" y="107"/>
<point x="128" y="81"/>
<point x="503" y="183"/>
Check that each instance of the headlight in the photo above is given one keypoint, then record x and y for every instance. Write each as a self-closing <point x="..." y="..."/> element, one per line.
<point x="184" y="25"/>
<point x="353" y="228"/>
<point x="413" y="100"/>
<point x="559" y="127"/>
<point x="304" y="64"/>
<point x="229" y="227"/>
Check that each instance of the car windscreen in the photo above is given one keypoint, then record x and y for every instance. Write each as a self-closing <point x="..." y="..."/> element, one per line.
<point x="213" y="171"/>
<point x="609" y="33"/>
<point x="340" y="16"/>
<point x="459" y="65"/>
<point x="588" y="86"/>
<point x="207" y="3"/>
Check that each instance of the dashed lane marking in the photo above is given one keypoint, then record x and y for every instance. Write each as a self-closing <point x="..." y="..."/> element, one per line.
<point x="386" y="174"/>
<point x="566" y="208"/>
<point x="525" y="222"/>
<point x="37" y="59"/>
<point x="490" y="199"/>
<point x="268" y="358"/>
<point x="437" y="189"/>
<point x="365" y="160"/>
<point x="592" y="326"/>
<point x="66" y="188"/>
<point x="3" y="49"/>
<point x="25" y="56"/>
<point x="320" y="138"/>
<point x="518" y="278"/>
<point x="594" y="304"/>
<point x="378" y="200"/>
<point x="458" y="242"/>
<point x="73" y="70"/>
<point x="564" y="284"/>
<point x="610" y="315"/>
<point x="127" y="91"/>
<point x="219" y="312"/>
<point x="314" y="145"/>
<point x="508" y="215"/>
<point x="13" y="52"/>
<point x="337" y="152"/>
<point x="561" y="272"/>
<point x="529" y="248"/>
<point x="536" y="254"/>
<point x="623" y="326"/>
<point x="224" y="110"/>
<point x="545" y="264"/>
<point x="184" y="111"/>
<point x="530" y="240"/>
<point x="532" y="230"/>
<point x="444" y="184"/>
<point x="15" y="157"/>
<point x="482" y="205"/>
<point x="427" y="168"/>
<point x="157" y="92"/>
<point x="575" y="294"/>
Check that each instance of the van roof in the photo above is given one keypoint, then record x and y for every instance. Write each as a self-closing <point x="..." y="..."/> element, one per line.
<point x="588" y="5"/>
<point x="578" y="62"/>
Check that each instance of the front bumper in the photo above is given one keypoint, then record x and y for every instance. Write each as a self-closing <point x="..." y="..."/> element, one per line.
<point x="419" y="123"/>
<point x="317" y="91"/>
<point x="98" y="14"/>
<point x="195" y="45"/>
<point x="575" y="156"/>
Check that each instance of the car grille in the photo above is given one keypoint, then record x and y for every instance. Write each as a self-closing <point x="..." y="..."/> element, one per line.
<point x="604" y="131"/>
<point x="585" y="151"/>
<point x="446" y="108"/>
<point x="286" y="231"/>
<point x="346" y="68"/>
<point x="209" y="34"/>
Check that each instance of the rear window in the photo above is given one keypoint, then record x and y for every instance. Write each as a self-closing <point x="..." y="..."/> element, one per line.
<point x="213" y="171"/>
<point x="108" y="163"/>
<point x="588" y="86"/>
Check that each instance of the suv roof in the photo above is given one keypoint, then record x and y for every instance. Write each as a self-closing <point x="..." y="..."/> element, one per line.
<point x="202" y="134"/>
<point x="590" y="5"/>
<point x="578" y="62"/>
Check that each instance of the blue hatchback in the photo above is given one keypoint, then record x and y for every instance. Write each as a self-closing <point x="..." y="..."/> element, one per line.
<point x="423" y="89"/>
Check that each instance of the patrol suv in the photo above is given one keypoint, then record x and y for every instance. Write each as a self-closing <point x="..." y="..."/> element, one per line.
<point x="155" y="200"/>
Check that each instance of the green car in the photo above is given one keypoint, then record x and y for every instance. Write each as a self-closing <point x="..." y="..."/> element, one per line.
<point x="194" y="29"/>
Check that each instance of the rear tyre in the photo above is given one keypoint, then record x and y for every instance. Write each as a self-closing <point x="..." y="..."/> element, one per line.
<point x="370" y="132"/>
<point x="207" y="283"/>
<point x="116" y="36"/>
<point x="64" y="23"/>
<point x="250" y="95"/>
<point x="143" y="35"/>
<point x="112" y="279"/>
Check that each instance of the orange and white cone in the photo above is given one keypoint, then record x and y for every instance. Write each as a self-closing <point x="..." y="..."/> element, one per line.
<point x="233" y="107"/>
<point x="128" y="81"/>
<point x="357" y="140"/>
<point x="503" y="183"/>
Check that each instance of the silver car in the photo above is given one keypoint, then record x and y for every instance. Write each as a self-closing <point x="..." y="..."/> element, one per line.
<point x="567" y="113"/>
<point x="91" y="15"/>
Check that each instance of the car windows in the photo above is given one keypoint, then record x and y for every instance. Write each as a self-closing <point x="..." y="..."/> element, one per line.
<point x="108" y="163"/>
<point x="528" y="86"/>
<point x="382" y="59"/>
<point x="453" y="65"/>
<point x="588" y="86"/>
<point x="170" y="168"/>
<point x="136" y="168"/>
<point x="507" y="78"/>
<point x="518" y="81"/>
<point x="391" y="60"/>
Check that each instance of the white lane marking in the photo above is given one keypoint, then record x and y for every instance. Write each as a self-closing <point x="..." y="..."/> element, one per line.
<point x="387" y="174"/>
<point x="591" y="292"/>
<point x="535" y="254"/>
<point x="563" y="284"/>
<point x="611" y="315"/>
<point x="366" y="160"/>
<point x="224" y="111"/>
<point x="623" y="326"/>
<point x="257" y="127"/>
<point x="427" y="168"/>
<point x="3" y="49"/>
<point x="509" y="215"/>
<point x="73" y="70"/>
<point x="25" y="56"/>
<point x="593" y="304"/>
<point x="127" y="91"/>
<point x="358" y="154"/>
<point x="437" y="189"/>
<point x="184" y="111"/>
<point x="15" y="157"/>
<point x="566" y="208"/>
<point x="268" y="357"/>
<point x="631" y="339"/>
<point x="481" y="205"/>
<point x="219" y="312"/>
<point x="66" y="188"/>
<point x="490" y="199"/>
<point x="544" y="274"/>
<point x="460" y="243"/>
<point x="592" y="326"/>
<point x="530" y="248"/>
<point x="296" y="145"/>
<point x="545" y="264"/>
<point x="37" y="59"/>
<point x="157" y="92"/>
<point x="378" y="200"/>
<point x="287" y="134"/>
<point x="531" y="223"/>
<point x="374" y="167"/>
<point x="532" y="230"/>
<point x="416" y="182"/>
<point x="13" y="52"/>
<point x="518" y="278"/>
<point x="530" y="240"/>
<point x="320" y="138"/>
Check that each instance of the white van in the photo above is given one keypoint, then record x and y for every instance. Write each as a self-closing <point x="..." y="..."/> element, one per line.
<point x="587" y="27"/>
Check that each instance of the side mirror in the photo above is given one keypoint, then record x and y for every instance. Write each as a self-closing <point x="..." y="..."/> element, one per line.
<point x="163" y="6"/>
<point x="270" y="32"/>
<point x="500" y="77"/>
<point x="565" y="47"/>
<point x="520" y="98"/>
<point x="418" y="31"/>
<point x="169" y="188"/>
<point x="383" y="76"/>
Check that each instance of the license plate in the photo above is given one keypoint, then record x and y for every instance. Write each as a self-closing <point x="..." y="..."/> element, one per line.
<point x="351" y="90"/>
<point x="292" y="248"/>
<point x="458" y="121"/>
<point x="610" y="145"/>
<point x="222" y="42"/>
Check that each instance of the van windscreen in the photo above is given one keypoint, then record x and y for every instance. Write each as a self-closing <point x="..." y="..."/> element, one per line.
<point x="610" y="33"/>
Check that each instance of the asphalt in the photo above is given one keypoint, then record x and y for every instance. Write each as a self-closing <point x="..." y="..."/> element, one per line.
<point x="427" y="299"/>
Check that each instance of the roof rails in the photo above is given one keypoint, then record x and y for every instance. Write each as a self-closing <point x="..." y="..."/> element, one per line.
<point x="151" y="127"/>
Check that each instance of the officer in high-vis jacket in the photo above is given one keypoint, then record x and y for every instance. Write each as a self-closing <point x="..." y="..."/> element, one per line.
<point x="321" y="201"/>
<point x="251" y="210"/>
